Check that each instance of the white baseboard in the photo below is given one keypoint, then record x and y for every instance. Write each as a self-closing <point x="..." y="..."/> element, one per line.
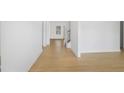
<point x="105" y="51"/>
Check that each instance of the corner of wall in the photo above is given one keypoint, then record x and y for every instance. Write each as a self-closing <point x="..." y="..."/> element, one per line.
<point x="79" y="54"/>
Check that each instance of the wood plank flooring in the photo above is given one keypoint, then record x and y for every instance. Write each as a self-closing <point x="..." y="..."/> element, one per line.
<point x="57" y="58"/>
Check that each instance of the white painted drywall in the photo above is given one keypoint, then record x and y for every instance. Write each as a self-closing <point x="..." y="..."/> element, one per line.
<point x="74" y="37"/>
<point x="100" y="36"/>
<point x="53" y="25"/>
<point x="0" y="38"/>
<point x="46" y="33"/>
<point x="123" y="34"/>
<point x="21" y="44"/>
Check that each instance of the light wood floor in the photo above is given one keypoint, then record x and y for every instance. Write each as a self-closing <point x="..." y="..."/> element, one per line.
<point x="56" y="58"/>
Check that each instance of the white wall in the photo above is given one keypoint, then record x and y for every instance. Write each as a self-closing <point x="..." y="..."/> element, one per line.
<point x="53" y="25"/>
<point x="0" y="46"/>
<point x="123" y="34"/>
<point x="0" y="38"/>
<point x="21" y="44"/>
<point x="99" y="36"/>
<point x="74" y="37"/>
<point x="46" y="33"/>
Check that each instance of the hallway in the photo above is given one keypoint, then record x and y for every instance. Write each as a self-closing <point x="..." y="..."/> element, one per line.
<point x="56" y="58"/>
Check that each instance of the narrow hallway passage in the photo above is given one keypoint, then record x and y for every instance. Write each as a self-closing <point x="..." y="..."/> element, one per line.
<point x="57" y="58"/>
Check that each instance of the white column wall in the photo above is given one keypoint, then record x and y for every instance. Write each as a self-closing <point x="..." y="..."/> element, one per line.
<point x="74" y="37"/>
<point x="46" y="33"/>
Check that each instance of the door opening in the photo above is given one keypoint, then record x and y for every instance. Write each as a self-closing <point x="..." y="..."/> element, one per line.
<point x="121" y="35"/>
<point x="60" y="32"/>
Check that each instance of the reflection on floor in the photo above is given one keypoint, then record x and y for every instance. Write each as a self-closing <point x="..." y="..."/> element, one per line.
<point x="56" y="58"/>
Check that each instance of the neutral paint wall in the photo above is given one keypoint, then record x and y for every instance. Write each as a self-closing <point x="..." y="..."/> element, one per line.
<point x="74" y="37"/>
<point x="99" y="36"/>
<point x="21" y="44"/>
<point x="0" y="46"/>
<point x="0" y="38"/>
<point x="53" y="25"/>
<point x="123" y="34"/>
<point x="46" y="33"/>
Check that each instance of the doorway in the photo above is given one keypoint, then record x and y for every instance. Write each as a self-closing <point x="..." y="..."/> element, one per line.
<point x="60" y="31"/>
<point x="121" y="35"/>
<point x="57" y="39"/>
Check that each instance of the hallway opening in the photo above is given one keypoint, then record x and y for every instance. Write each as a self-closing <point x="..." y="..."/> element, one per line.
<point x="121" y="35"/>
<point x="55" y="58"/>
<point x="60" y="30"/>
<point x="57" y="35"/>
